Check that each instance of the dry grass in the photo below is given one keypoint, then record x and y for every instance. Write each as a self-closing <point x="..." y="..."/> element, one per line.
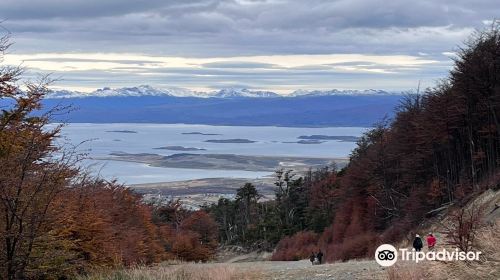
<point x="170" y="272"/>
<point x="487" y="268"/>
<point x="487" y="240"/>
<point x="406" y="271"/>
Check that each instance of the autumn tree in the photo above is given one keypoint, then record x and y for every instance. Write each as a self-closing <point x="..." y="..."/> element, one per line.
<point x="197" y="239"/>
<point x="33" y="169"/>
<point x="169" y="212"/>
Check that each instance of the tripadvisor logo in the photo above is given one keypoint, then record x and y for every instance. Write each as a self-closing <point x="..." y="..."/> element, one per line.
<point x="387" y="255"/>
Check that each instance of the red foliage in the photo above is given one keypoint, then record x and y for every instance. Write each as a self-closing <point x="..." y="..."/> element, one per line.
<point x="204" y="225"/>
<point x="187" y="247"/>
<point x="296" y="247"/>
<point x="196" y="238"/>
<point x="349" y="236"/>
<point x="108" y="225"/>
<point x="465" y="223"/>
<point x="357" y="246"/>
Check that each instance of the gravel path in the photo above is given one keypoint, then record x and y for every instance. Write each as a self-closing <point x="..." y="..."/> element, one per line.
<point x="303" y="270"/>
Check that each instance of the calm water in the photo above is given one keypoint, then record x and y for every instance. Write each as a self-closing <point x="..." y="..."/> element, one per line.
<point x="268" y="141"/>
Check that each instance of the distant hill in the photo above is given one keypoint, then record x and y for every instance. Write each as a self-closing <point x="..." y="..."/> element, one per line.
<point x="227" y="108"/>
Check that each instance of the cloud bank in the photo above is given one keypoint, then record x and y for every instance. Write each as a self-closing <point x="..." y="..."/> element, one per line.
<point x="275" y="44"/>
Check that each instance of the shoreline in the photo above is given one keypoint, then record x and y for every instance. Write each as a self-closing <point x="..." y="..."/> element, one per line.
<point x="226" y="161"/>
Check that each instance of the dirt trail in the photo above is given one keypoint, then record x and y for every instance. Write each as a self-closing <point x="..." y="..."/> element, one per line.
<point x="303" y="270"/>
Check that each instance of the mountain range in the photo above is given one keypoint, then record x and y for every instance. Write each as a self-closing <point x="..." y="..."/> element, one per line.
<point x="243" y="107"/>
<point x="146" y="90"/>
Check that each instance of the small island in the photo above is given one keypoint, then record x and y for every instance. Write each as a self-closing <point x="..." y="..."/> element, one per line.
<point x="232" y="141"/>
<point x="312" y="141"/>
<point x="179" y="148"/>
<point x="122" y="131"/>
<point x="330" y="137"/>
<point x="200" y="133"/>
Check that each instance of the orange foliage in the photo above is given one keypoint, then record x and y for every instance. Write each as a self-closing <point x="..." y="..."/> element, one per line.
<point x="197" y="237"/>
<point x="296" y="247"/>
<point x="108" y="225"/>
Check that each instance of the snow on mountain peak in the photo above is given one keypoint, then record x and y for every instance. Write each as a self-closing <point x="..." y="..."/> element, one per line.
<point x="233" y="92"/>
<point x="301" y="92"/>
<point x="142" y="90"/>
<point x="146" y="90"/>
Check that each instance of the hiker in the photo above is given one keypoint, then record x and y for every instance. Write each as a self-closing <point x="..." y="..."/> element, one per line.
<point x="431" y="241"/>
<point x="417" y="243"/>
<point x="320" y="256"/>
<point x="312" y="258"/>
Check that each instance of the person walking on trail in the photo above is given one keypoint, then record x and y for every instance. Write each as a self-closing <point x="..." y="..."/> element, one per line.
<point x="417" y="243"/>
<point x="431" y="241"/>
<point x="320" y="257"/>
<point x="312" y="258"/>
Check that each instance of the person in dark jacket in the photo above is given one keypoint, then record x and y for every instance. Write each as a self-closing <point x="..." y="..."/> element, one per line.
<point x="312" y="258"/>
<point x="320" y="257"/>
<point x="417" y="243"/>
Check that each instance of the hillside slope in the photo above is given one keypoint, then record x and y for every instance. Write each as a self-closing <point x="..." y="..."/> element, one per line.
<point x="486" y="268"/>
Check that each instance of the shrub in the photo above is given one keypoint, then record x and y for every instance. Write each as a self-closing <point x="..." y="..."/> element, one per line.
<point x="296" y="247"/>
<point x="465" y="223"/>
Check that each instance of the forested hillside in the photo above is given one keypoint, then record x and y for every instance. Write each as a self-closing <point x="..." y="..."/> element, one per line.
<point x="441" y="147"/>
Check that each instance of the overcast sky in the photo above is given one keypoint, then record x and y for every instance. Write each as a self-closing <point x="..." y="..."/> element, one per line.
<point x="279" y="45"/>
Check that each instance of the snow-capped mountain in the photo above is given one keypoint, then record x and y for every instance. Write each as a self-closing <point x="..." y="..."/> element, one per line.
<point x="235" y="93"/>
<point x="373" y="92"/>
<point x="142" y="90"/>
<point x="145" y="90"/>
<point x="65" y="94"/>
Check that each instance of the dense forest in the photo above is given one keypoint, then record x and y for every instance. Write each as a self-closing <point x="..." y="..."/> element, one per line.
<point x="55" y="220"/>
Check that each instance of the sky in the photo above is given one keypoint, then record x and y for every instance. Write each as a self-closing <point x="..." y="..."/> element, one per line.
<point x="277" y="45"/>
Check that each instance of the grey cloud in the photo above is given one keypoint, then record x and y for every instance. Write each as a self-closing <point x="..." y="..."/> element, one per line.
<point x="239" y="64"/>
<point x="289" y="80"/>
<point x="226" y="28"/>
<point x="311" y="67"/>
<point x="120" y="61"/>
<point x="28" y="9"/>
